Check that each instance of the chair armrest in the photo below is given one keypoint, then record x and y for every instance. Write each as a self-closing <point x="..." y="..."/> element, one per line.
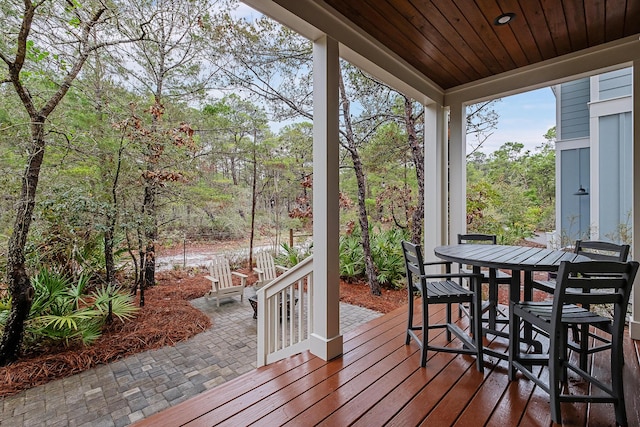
<point x="258" y="270"/>
<point x="243" y="277"/>
<point x="437" y="263"/>
<point x="282" y="268"/>
<point x="452" y="276"/>
<point x="213" y="279"/>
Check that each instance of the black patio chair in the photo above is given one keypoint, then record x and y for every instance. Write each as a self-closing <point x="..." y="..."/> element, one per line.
<point x="442" y="290"/>
<point x="579" y="285"/>
<point x="493" y="277"/>
<point x="597" y="251"/>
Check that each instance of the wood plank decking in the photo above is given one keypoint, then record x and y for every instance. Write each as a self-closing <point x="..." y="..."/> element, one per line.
<point x="378" y="381"/>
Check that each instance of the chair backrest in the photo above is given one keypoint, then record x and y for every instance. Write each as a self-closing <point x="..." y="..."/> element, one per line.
<point x="219" y="268"/>
<point x="476" y="238"/>
<point x="602" y="251"/>
<point x="490" y="239"/>
<point x="595" y="282"/>
<point x="264" y="261"/>
<point x="413" y="262"/>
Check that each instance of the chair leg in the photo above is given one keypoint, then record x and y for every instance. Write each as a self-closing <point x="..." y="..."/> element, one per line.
<point x="617" y="359"/>
<point x="584" y="346"/>
<point x="514" y="342"/>
<point x="448" y="322"/>
<point x="564" y="352"/>
<point x="425" y="329"/>
<point x="410" y="319"/>
<point x="476" y="327"/>
<point x="556" y="366"/>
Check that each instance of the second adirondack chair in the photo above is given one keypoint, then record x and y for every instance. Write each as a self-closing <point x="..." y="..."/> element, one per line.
<point x="266" y="268"/>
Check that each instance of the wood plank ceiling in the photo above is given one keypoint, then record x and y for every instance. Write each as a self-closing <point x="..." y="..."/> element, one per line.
<point x="456" y="41"/>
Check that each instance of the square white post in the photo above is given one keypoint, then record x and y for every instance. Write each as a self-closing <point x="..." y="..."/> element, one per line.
<point x="458" y="170"/>
<point x="435" y="178"/>
<point x="325" y="340"/>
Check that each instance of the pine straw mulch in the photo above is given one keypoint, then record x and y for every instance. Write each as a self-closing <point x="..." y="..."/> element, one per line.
<point x="166" y="319"/>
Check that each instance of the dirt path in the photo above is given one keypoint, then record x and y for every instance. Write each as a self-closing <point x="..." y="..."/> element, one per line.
<point x="199" y="254"/>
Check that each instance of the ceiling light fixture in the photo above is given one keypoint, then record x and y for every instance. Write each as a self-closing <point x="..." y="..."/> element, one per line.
<point x="504" y="19"/>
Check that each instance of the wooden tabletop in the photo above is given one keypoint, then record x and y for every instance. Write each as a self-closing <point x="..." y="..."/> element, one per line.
<point x="507" y="257"/>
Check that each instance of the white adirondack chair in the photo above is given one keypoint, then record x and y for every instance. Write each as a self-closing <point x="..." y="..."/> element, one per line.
<point x="266" y="268"/>
<point x="221" y="281"/>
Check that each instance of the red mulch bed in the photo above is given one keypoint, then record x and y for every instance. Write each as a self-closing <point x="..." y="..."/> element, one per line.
<point x="166" y="318"/>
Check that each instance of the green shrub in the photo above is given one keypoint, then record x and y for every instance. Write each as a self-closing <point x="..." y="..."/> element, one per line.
<point x="388" y="259"/>
<point x="385" y="251"/>
<point x="351" y="256"/>
<point x="64" y="313"/>
<point x="291" y="255"/>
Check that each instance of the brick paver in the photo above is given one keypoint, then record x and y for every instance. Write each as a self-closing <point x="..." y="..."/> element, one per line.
<point x="133" y="388"/>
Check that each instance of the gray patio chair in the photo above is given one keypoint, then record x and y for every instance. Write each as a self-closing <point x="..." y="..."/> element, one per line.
<point x="597" y="251"/>
<point x="491" y="276"/>
<point x="442" y="291"/>
<point x="579" y="284"/>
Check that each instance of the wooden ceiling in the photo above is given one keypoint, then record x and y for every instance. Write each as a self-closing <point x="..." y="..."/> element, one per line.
<point x="454" y="42"/>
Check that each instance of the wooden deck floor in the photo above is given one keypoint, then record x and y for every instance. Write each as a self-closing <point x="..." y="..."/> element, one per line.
<point x="378" y="381"/>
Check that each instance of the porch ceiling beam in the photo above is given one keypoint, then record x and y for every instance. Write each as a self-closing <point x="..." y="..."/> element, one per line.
<point x="584" y="63"/>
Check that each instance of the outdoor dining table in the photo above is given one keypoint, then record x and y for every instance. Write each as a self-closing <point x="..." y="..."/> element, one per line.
<point x="518" y="259"/>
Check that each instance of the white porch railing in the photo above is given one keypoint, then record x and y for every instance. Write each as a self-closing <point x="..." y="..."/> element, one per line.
<point x="285" y="314"/>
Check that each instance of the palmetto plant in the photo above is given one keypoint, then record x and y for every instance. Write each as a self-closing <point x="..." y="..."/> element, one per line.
<point x="289" y="256"/>
<point x="351" y="256"/>
<point x="385" y="250"/>
<point x="387" y="256"/>
<point x="64" y="312"/>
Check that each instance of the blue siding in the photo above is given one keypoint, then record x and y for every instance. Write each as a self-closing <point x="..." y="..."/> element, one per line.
<point x="574" y="109"/>
<point x="615" y="166"/>
<point x="615" y="84"/>
<point x="575" y="214"/>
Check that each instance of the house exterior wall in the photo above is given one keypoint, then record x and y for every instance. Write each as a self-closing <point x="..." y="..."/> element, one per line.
<point x="574" y="109"/>
<point x="606" y="141"/>
<point x="614" y="84"/>
<point x="575" y="173"/>
<point x="615" y="168"/>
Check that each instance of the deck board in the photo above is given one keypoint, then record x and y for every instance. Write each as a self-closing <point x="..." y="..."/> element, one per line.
<point x="378" y="381"/>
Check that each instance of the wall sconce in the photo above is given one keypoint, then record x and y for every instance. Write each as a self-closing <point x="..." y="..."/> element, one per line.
<point x="581" y="192"/>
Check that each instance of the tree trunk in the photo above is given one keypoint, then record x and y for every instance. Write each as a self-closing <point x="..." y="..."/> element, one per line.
<point x="150" y="235"/>
<point x="417" y="155"/>
<point x="109" y="263"/>
<point x="369" y="267"/>
<point x="19" y="282"/>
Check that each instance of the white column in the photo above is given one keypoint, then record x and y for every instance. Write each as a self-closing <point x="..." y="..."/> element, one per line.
<point x="458" y="171"/>
<point x="325" y="340"/>
<point x="435" y="178"/>
<point x="634" y="326"/>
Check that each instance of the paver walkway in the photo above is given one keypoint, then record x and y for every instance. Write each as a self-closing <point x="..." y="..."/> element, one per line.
<point x="130" y="389"/>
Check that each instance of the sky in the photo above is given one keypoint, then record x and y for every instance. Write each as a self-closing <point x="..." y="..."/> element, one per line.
<point x="523" y="118"/>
